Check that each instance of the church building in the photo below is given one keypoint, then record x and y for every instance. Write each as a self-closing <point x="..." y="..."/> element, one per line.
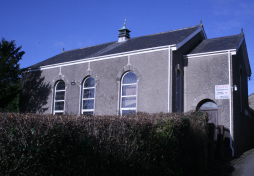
<point x="174" y="71"/>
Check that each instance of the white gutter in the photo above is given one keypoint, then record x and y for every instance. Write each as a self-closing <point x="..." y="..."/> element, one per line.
<point x="230" y="102"/>
<point x="232" y="51"/>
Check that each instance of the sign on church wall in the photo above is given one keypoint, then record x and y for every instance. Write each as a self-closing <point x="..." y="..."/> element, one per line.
<point x="222" y="91"/>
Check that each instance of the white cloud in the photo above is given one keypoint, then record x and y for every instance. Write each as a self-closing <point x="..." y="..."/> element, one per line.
<point x="60" y="43"/>
<point x="232" y="8"/>
<point x="245" y="9"/>
<point x="226" y="25"/>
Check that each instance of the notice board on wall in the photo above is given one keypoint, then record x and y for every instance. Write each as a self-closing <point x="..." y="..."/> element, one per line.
<point x="222" y="91"/>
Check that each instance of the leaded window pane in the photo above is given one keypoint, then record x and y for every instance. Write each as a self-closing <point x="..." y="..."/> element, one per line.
<point x="59" y="105"/>
<point x="129" y="90"/>
<point x="89" y="82"/>
<point x="129" y="78"/>
<point x="88" y="104"/>
<point x="60" y="85"/>
<point x="60" y="95"/>
<point x="88" y="93"/>
<point x="128" y="112"/>
<point x="128" y="102"/>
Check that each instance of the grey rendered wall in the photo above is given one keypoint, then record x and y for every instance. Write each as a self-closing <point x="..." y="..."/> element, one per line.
<point x="36" y="91"/>
<point x="151" y="70"/>
<point x="251" y="101"/>
<point x="153" y="85"/>
<point x="106" y="95"/>
<point x="201" y="76"/>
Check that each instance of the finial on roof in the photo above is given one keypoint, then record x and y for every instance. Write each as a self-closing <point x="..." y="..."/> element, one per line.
<point x="63" y="50"/>
<point x="124" y="22"/>
<point x="201" y="23"/>
<point x="124" y="25"/>
<point x="242" y="32"/>
<point x="123" y="33"/>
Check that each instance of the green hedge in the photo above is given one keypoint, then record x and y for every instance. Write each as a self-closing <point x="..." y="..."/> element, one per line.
<point x="141" y="144"/>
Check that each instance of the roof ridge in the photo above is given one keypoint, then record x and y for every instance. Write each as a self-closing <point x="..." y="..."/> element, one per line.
<point x="223" y="37"/>
<point x="251" y="94"/>
<point x="113" y="46"/>
<point x="164" y="32"/>
<point x="133" y="38"/>
<point x="88" y="47"/>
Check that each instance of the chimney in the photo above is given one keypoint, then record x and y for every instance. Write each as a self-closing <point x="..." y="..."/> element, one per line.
<point x="123" y="33"/>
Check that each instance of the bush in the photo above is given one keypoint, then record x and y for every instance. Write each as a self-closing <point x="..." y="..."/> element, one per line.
<point x="140" y="144"/>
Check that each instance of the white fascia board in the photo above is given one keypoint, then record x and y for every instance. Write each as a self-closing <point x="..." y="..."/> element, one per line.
<point x="173" y="47"/>
<point x="190" y="37"/>
<point x="92" y="59"/>
<point x="188" y="56"/>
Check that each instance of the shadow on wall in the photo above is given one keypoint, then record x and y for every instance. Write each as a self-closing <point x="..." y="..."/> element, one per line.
<point x="34" y="93"/>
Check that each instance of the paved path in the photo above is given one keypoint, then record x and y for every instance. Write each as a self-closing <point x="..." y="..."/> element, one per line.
<point x="244" y="166"/>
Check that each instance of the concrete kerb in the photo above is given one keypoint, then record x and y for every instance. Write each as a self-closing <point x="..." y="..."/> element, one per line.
<point x="233" y="162"/>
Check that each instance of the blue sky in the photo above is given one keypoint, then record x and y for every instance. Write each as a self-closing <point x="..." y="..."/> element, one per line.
<point x="44" y="28"/>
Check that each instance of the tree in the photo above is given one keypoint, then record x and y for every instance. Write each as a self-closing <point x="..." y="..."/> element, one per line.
<point x="10" y="75"/>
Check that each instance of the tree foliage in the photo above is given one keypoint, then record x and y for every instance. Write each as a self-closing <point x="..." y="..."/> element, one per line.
<point x="10" y="75"/>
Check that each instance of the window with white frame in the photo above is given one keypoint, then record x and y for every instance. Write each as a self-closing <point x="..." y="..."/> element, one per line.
<point x="129" y="93"/>
<point x="88" y="96"/>
<point x="59" y="97"/>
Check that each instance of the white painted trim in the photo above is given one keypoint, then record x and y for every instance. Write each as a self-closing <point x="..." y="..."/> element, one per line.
<point x="232" y="52"/>
<point x="190" y="37"/>
<point x="79" y="104"/>
<point x="169" y="79"/>
<point x="230" y="102"/>
<point x="89" y="66"/>
<point x="52" y="102"/>
<point x="118" y="98"/>
<point x="92" y="59"/>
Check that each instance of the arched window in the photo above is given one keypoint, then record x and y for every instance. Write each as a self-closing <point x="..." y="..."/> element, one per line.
<point x="211" y="108"/>
<point x="129" y="93"/>
<point x="208" y="105"/>
<point x="88" y="96"/>
<point x="59" y="97"/>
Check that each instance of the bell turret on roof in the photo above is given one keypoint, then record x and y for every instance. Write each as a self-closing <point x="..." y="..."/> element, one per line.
<point x="123" y="33"/>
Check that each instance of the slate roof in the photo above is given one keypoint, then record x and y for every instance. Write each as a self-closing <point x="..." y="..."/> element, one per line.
<point x="137" y="43"/>
<point x="217" y="44"/>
